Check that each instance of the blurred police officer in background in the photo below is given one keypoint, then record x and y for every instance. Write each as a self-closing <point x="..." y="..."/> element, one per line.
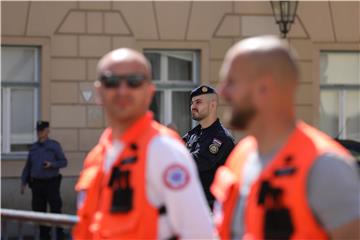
<point x="139" y="181"/>
<point x="286" y="180"/>
<point x="41" y="173"/>
<point x="209" y="142"/>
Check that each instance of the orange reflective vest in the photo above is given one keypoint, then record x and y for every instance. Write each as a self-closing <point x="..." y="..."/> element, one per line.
<point x="277" y="205"/>
<point x="99" y="215"/>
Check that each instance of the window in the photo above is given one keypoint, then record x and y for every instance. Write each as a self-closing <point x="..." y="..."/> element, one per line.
<point x="340" y="94"/>
<point x="20" y="93"/>
<point x="175" y="73"/>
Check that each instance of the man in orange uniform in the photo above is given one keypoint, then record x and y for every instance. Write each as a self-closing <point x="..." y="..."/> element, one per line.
<point x="286" y="179"/>
<point x="139" y="181"/>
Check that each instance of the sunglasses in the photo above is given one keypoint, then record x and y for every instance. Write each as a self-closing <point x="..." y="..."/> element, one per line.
<point x="113" y="81"/>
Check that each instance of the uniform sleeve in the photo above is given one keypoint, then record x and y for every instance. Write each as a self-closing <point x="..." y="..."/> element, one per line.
<point x="174" y="180"/>
<point x="26" y="171"/>
<point x="334" y="191"/>
<point x="60" y="159"/>
<point x="225" y="151"/>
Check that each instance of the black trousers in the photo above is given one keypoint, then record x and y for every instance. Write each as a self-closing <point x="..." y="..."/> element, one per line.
<point x="46" y="192"/>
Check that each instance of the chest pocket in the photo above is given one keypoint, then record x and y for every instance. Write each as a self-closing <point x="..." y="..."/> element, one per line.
<point x="125" y="202"/>
<point x="43" y="153"/>
<point x="40" y="154"/>
<point x="50" y="153"/>
<point x="207" y="154"/>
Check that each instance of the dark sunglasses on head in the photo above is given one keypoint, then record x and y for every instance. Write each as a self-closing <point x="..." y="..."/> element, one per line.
<point x="113" y="81"/>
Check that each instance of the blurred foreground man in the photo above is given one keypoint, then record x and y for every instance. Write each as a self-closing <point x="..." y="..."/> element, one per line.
<point x="287" y="179"/>
<point x="41" y="173"/>
<point x="209" y="142"/>
<point x="139" y="182"/>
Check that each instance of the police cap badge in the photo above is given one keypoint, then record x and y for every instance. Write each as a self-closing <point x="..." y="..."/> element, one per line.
<point x="203" y="89"/>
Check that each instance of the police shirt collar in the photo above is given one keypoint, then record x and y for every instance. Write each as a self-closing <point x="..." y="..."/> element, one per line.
<point x="213" y="125"/>
<point x="44" y="142"/>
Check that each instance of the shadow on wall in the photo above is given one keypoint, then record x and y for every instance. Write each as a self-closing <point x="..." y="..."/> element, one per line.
<point x="12" y="199"/>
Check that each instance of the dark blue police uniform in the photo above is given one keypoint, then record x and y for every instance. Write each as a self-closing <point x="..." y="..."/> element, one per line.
<point x="45" y="182"/>
<point x="209" y="147"/>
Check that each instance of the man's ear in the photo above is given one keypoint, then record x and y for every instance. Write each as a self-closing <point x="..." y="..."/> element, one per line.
<point x="152" y="91"/>
<point x="210" y="99"/>
<point x="263" y="86"/>
<point x="261" y="91"/>
<point x="213" y="103"/>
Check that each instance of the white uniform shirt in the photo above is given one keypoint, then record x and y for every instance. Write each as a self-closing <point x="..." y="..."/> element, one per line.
<point x="172" y="181"/>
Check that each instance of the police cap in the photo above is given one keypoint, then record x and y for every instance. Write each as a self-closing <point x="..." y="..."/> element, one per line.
<point x="41" y="125"/>
<point x="203" y="89"/>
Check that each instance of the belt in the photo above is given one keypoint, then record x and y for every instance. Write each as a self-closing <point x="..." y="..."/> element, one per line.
<point x="45" y="179"/>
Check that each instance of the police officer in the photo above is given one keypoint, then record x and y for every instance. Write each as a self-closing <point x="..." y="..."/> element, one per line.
<point x="209" y="142"/>
<point x="41" y="173"/>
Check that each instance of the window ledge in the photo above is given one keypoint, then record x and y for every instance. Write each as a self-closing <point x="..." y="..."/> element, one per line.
<point x="13" y="156"/>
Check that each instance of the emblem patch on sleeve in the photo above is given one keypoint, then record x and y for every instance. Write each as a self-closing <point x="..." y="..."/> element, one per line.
<point x="176" y="177"/>
<point x="215" y="146"/>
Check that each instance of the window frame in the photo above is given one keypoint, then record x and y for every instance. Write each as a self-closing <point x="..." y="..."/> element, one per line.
<point x="342" y="90"/>
<point x="167" y="87"/>
<point x="7" y="87"/>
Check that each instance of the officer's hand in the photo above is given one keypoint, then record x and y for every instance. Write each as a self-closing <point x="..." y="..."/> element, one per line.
<point x="46" y="164"/>
<point x="22" y="189"/>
